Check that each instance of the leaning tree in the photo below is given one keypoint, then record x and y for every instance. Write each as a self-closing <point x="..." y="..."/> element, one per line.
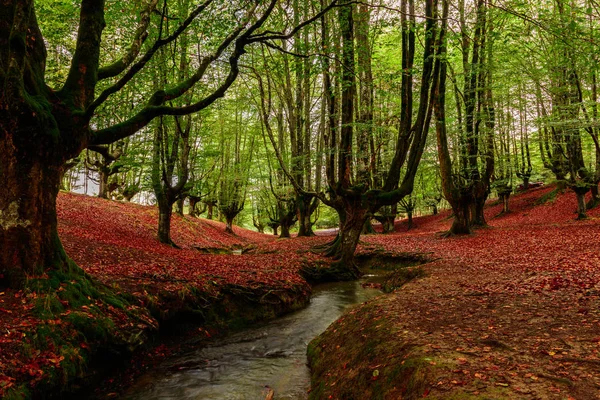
<point x="41" y="127"/>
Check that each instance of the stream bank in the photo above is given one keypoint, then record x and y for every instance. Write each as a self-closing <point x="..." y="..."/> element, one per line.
<point x="274" y="349"/>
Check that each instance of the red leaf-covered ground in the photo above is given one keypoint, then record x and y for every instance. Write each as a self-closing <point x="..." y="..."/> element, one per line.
<point x="510" y="312"/>
<point x="116" y="244"/>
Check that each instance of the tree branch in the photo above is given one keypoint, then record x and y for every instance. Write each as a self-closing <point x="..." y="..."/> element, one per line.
<point x="139" y="38"/>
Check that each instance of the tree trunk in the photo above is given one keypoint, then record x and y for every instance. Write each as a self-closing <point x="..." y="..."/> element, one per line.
<point x="388" y="224"/>
<point x="180" y="203"/>
<point x="367" y="228"/>
<point x="28" y="225"/>
<point x="581" y="208"/>
<point x="304" y="213"/>
<point x="435" y="209"/>
<point x="595" y="199"/>
<point x="505" y="203"/>
<point x="275" y="228"/>
<point x="209" y="213"/>
<point x="478" y="205"/>
<point x="285" y="230"/>
<point x="192" y="210"/>
<point x="103" y="185"/>
<point x="461" y="225"/>
<point x="345" y="267"/>
<point x="165" y="209"/>
<point x="229" y="224"/>
<point x="478" y="217"/>
<point x="409" y="214"/>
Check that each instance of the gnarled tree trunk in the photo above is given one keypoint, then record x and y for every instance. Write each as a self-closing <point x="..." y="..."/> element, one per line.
<point x="28" y="225"/>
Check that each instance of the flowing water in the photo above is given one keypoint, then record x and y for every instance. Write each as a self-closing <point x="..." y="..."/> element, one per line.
<point x="242" y="365"/>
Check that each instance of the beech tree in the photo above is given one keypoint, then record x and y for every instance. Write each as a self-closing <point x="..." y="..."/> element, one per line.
<point x="41" y="127"/>
<point x="350" y="190"/>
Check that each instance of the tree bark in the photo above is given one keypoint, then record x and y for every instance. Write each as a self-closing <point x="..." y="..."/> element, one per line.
<point x="478" y="205"/>
<point x="345" y="267"/>
<point x="180" y="203"/>
<point x="388" y="224"/>
<point x="461" y="224"/>
<point x="285" y="230"/>
<point x="28" y="224"/>
<point x="581" y="206"/>
<point x="103" y="185"/>
<point x="229" y="224"/>
<point x="595" y="199"/>
<point x="193" y="202"/>
<point x="305" y="210"/>
<point x="164" y="222"/>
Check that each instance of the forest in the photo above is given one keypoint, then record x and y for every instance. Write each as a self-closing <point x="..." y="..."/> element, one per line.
<point x="175" y="174"/>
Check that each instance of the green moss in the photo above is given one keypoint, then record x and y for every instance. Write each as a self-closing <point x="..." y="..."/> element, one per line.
<point x="46" y="336"/>
<point x="48" y="306"/>
<point x="73" y="364"/>
<point x="18" y="393"/>
<point x="92" y="325"/>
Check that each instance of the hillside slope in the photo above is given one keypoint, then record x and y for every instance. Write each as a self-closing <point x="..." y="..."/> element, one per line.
<point x="510" y="312"/>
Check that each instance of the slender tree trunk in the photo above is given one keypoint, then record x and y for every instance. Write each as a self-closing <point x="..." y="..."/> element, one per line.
<point x="504" y="198"/>
<point x="595" y="199"/>
<point x="209" y="213"/>
<point x="103" y="184"/>
<point x="275" y="229"/>
<point x="478" y="215"/>
<point x="368" y="226"/>
<point x="435" y="209"/>
<point x="581" y="206"/>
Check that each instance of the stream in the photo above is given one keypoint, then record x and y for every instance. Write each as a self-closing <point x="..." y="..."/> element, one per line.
<point x="241" y="365"/>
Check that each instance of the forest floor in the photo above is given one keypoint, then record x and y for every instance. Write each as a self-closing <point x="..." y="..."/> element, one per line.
<point x="510" y="312"/>
<point x="47" y="339"/>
